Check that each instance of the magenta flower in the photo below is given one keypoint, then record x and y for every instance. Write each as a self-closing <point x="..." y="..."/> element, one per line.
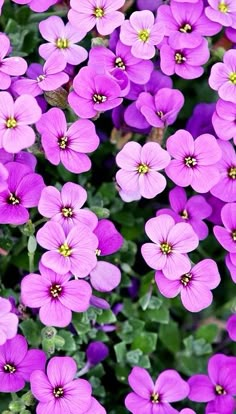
<point x="102" y="13"/>
<point x="191" y="211"/>
<point x="138" y="176"/>
<point x="72" y="252"/>
<point x="230" y="261"/>
<point x="198" y="124"/>
<point x="93" y="93"/>
<point x="223" y="77"/>
<point x="3" y="178"/>
<point x="65" y="207"/>
<point x="1" y="4"/>
<point x="137" y="70"/>
<point x="218" y="388"/>
<point x="222" y="11"/>
<point x="186" y="62"/>
<point x="170" y="244"/>
<point x="105" y="276"/>
<point x="8" y="321"/>
<point x="95" y="407"/>
<point x="225" y="189"/>
<point x="231" y="34"/>
<point x="150" y="397"/>
<point x="15" y="134"/>
<point x="231" y="327"/>
<point x="17" y="363"/>
<point x="185" y="25"/>
<point x="142" y="34"/>
<point x="194" y="161"/>
<point x="58" y="391"/>
<point x="162" y="109"/>
<point x="48" y="77"/>
<point x="11" y="66"/>
<point x="226" y="235"/>
<point x="62" y="40"/>
<point x="56" y="296"/>
<point x="22" y="157"/>
<point x="194" y="287"/>
<point x="23" y="192"/>
<point x="36" y="5"/>
<point x="68" y="146"/>
<point x="223" y="120"/>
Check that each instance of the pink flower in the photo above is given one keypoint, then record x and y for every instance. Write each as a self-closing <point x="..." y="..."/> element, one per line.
<point x="56" y="296"/>
<point x="11" y="66"/>
<point x="15" y="134"/>
<point x="58" y="391"/>
<point x="68" y="146"/>
<point x="231" y="327"/>
<point x="149" y="397"/>
<point x="103" y="13"/>
<point x="226" y="235"/>
<point x="138" y="176"/>
<point x="194" y="287"/>
<point x="8" y="321"/>
<point x="142" y="33"/>
<point x="65" y="207"/>
<point x="3" y="177"/>
<point x="170" y="244"/>
<point x="223" y="77"/>
<point x="72" y="252"/>
<point x="194" y="160"/>
<point x="62" y="40"/>
<point x="223" y="12"/>
<point x="36" y="5"/>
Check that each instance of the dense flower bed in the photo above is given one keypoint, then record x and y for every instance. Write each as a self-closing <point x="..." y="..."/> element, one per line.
<point x="117" y="206"/>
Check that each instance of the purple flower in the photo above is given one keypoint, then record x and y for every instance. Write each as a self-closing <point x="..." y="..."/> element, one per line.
<point x="65" y="207"/>
<point x="231" y="34"/>
<point x="185" y="25"/>
<point x="138" y="176"/>
<point x="15" y="134"/>
<point x="218" y="388"/>
<point x="23" y="192"/>
<point x="191" y="211"/>
<point x="225" y="189"/>
<point x="3" y="177"/>
<point x="56" y="296"/>
<point x="96" y="352"/>
<point x="186" y="62"/>
<point x="102" y="13"/>
<point x="137" y="70"/>
<point x="142" y="34"/>
<point x="37" y="6"/>
<point x="8" y="321"/>
<point x="11" y="66"/>
<point x="58" y="391"/>
<point x="223" y="77"/>
<point x="62" y="40"/>
<point x="1" y="4"/>
<point x="72" y="252"/>
<point x="194" y="287"/>
<point x="95" y="407"/>
<point x="223" y="12"/>
<point x="154" y="398"/>
<point x="68" y="146"/>
<point x="231" y="327"/>
<point x="223" y="120"/>
<point x="22" y="157"/>
<point x="162" y="109"/>
<point x="230" y="261"/>
<point x="93" y="93"/>
<point x="105" y="276"/>
<point x="226" y="235"/>
<point x="149" y="4"/>
<point x="198" y="124"/>
<point x="17" y="363"/>
<point x="170" y="244"/>
<point x="194" y="160"/>
<point x="48" y="77"/>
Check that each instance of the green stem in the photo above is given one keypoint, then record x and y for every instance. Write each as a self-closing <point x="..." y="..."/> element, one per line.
<point x="31" y="262"/>
<point x="35" y="18"/>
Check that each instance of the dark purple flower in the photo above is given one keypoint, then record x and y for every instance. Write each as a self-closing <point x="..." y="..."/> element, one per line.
<point x="96" y="352"/>
<point x="198" y="124"/>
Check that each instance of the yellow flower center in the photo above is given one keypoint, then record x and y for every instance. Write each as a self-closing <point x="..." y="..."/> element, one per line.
<point x="179" y="58"/>
<point x="234" y="235"/>
<point x="190" y="162"/>
<point x="119" y="63"/>
<point x="220" y="390"/>
<point x="98" y="12"/>
<point x="166" y="248"/>
<point x="55" y="291"/>
<point x="232" y="173"/>
<point x="99" y="98"/>
<point x="9" y="368"/>
<point x="222" y="7"/>
<point x="144" y="35"/>
<point x="185" y="279"/>
<point x="63" y="142"/>
<point x="160" y="114"/>
<point x="62" y="43"/>
<point x="65" y="250"/>
<point x="58" y="392"/>
<point x="143" y="169"/>
<point x="184" y="215"/>
<point x="12" y="199"/>
<point x="11" y="123"/>
<point x="232" y="78"/>
<point x="155" y="398"/>
<point x="186" y="28"/>
<point x="98" y="252"/>
<point x="40" y="78"/>
<point x="67" y="212"/>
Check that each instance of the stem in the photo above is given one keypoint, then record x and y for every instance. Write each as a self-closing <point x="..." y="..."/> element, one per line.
<point x="31" y="262"/>
<point x="37" y="223"/>
<point x="35" y="18"/>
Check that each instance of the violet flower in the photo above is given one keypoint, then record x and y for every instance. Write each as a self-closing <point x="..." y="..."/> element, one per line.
<point x="3" y="178"/>
<point x="226" y="235"/>
<point x="17" y="363"/>
<point x="21" y="157"/>
<point x="96" y="352"/>
<point x="8" y="321"/>
<point x="223" y="77"/>
<point x="223" y="120"/>
<point x="11" y="66"/>
<point x="231" y="327"/>
<point x="198" y="124"/>
<point x="223" y="12"/>
<point x="37" y="6"/>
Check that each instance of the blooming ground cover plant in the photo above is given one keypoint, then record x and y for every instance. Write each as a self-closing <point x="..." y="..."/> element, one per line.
<point x="117" y="206"/>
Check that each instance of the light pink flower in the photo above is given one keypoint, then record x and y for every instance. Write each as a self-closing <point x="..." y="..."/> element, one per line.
<point x="8" y="321"/>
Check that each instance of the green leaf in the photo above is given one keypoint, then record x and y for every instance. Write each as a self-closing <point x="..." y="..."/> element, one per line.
<point x="32" y="332"/>
<point x="133" y="357"/>
<point x="69" y="342"/>
<point x="170" y="336"/>
<point x="120" y="351"/>
<point x="207" y="332"/>
<point x="146" y="341"/>
<point x="106" y="317"/>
